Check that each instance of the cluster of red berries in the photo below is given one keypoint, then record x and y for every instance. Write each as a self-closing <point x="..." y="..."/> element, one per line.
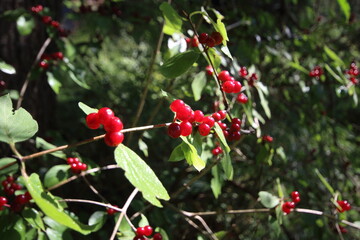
<point x="75" y="165"/>
<point x="251" y="79"/>
<point x="18" y="202"/>
<point x="211" y="40"/>
<point x="111" y="211"/>
<point x="217" y="151"/>
<point x="230" y="85"/>
<point x="232" y="133"/>
<point x="267" y="138"/>
<point x="343" y="205"/>
<point x="47" y="59"/>
<point x="288" y="206"/>
<point x="49" y="21"/>
<point x="188" y="117"/>
<point x="141" y="232"/>
<point x="353" y="72"/>
<point x="317" y="71"/>
<point x="112" y="125"/>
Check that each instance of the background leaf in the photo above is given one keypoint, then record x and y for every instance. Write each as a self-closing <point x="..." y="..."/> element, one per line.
<point x="140" y="175"/>
<point x="15" y="126"/>
<point x="198" y="85"/>
<point x="25" y="24"/>
<point x="345" y="7"/>
<point x="173" y="21"/>
<point x="268" y="200"/>
<point x="6" y="68"/>
<point x="56" y="174"/>
<point x="191" y="155"/>
<point x="178" y="64"/>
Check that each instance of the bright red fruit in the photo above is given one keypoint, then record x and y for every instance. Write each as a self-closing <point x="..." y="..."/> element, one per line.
<point x="287" y="207"/>
<point x="194" y="42"/>
<point x="58" y="55"/>
<point x="224" y="76"/>
<point x="186" y="128"/>
<point x="237" y="87"/>
<point x="222" y="114"/>
<point x="93" y="121"/>
<point x="111" y="211"/>
<point x="228" y="86"/>
<point x="210" y="42"/>
<point x="243" y="72"/>
<point x="148" y="230"/>
<point x="113" y="139"/>
<point x="216" y="116"/>
<point x="184" y="113"/>
<point x="44" y="64"/>
<point x="204" y="129"/>
<point x="242" y="98"/>
<point x="209" y="70"/>
<point x="174" y="130"/>
<point x="55" y="24"/>
<point x="105" y="114"/>
<point x="113" y="124"/>
<point x="198" y="116"/>
<point x="176" y="105"/>
<point x="209" y="121"/>
<point x="267" y="138"/>
<point x="157" y="236"/>
<point x="217" y="150"/>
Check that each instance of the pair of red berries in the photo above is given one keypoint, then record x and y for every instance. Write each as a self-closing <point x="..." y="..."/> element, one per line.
<point x="211" y="40"/>
<point x="267" y="138"/>
<point x="47" y="59"/>
<point x="112" y="125"/>
<point x="344" y="205"/>
<point x="37" y="8"/>
<point x="317" y="71"/>
<point x="288" y="206"/>
<point x="217" y="151"/>
<point x="229" y="84"/>
<point x="75" y="165"/>
<point x="141" y="232"/>
<point x="111" y="211"/>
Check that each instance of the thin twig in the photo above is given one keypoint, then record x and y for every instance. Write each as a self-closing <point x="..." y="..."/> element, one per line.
<point x="107" y="205"/>
<point x="94" y="189"/>
<point x="27" y="79"/>
<point x="123" y="212"/>
<point x="206" y="226"/>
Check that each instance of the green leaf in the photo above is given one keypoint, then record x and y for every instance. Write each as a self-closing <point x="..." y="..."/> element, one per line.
<point x="125" y="230"/>
<point x="334" y="56"/>
<point x="297" y="66"/>
<point x="178" y="64"/>
<point x="41" y="143"/>
<point x="97" y="220"/>
<point x="9" y="170"/>
<point x="323" y="180"/>
<point x="6" y="68"/>
<point x="12" y="227"/>
<point x="25" y="24"/>
<point x="15" y="126"/>
<point x="173" y="21"/>
<point x="226" y="51"/>
<point x="345" y="7"/>
<point x="140" y="175"/>
<point x="268" y="200"/>
<point x="144" y="221"/>
<point x="263" y="101"/>
<point x="220" y="27"/>
<point x="33" y="217"/>
<point x="177" y="154"/>
<point x="334" y="75"/>
<point x="214" y="57"/>
<point x="226" y="160"/>
<point x="53" y="82"/>
<point x="217" y="181"/>
<point x="143" y="147"/>
<point x="51" y="207"/>
<point x="56" y="174"/>
<point x="86" y="109"/>
<point x="191" y="155"/>
<point x="198" y="85"/>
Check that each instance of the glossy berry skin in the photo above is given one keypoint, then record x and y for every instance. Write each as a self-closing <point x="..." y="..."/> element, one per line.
<point x="113" y="139"/>
<point x="204" y="129"/>
<point x="186" y="128"/>
<point x="111" y="211"/>
<point x="236" y="120"/>
<point x="203" y="37"/>
<point x="222" y="125"/>
<point x="184" y="113"/>
<point x="243" y="72"/>
<point x="58" y="55"/>
<point x="198" y="116"/>
<point x="216" y="116"/>
<point x="268" y="139"/>
<point x="222" y="114"/>
<point x="224" y="76"/>
<point x="105" y="114"/>
<point x="157" y="236"/>
<point x="345" y="206"/>
<point x="93" y="121"/>
<point x="228" y="86"/>
<point x="216" y="151"/>
<point x="44" y="65"/>
<point x="234" y="136"/>
<point x="209" y="121"/>
<point x="217" y="37"/>
<point x="237" y="87"/>
<point x="176" y="105"/>
<point x="148" y="230"/>
<point x="287" y="207"/>
<point x="174" y="130"/>
<point x="295" y="194"/>
<point x="209" y="70"/>
<point x="37" y="9"/>
<point x="113" y="124"/>
<point x="55" y="24"/>
<point x="235" y="127"/>
<point x="194" y="42"/>
<point x="3" y="201"/>
<point x="242" y="98"/>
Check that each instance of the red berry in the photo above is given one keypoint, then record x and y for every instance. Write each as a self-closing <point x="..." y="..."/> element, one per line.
<point x="194" y="42"/>
<point x="186" y="128"/>
<point x="113" y="139"/>
<point x="55" y="24"/>
<point x="224" y="76"/>
<point x="237" y="87"/>
<point x="234" y="136"/>
<point x="46" y="19"/>
<point x="243" y="72"/>
<point x="242" y="98"/>
<point x="140" y="231"/>
<point x="157" y="236"/>
<point x="105" y="114"/>
<point x="296" y="199"/>
<point x="174" y="130"/>
<point x="113" y="124"/>
<point x="203" y="38"/>
<point x="111" y="211"/>
<point x="176" y="105"/>
<point x="236" y="120"/>
<point x="188" y="40"/>
<point x="210" y="42"/>
<point x="267" y="138"/>
<point x="37" y="9"/>
<point x="4" y="183"/>
<point x="93" y="121"/>
<point x="216" y="116"/>
<point x="148" y="230"/>
<point x="16" y="186"/>
<point x="217" y="37"/>
<point x="21" y="199"/>
<point x="3" y="201"/>
<point x="58" y="55"/>
<point x="44" y="65"/>
<point x="209" y="121"/>
<point x="295" y="194"/>
<point x="228" y="86"/>
<point x="28" y="196"/>
<point x="204" y="129"/>
<point x="192" y="117"/>
<point x="10" y="179"/>
<point x="198" y="116"/>
<point x="216" y="151"/>
<point x="235" y="127"/>
<point x="184" y="113"/>
<point x="222" y="114"/>
<point x="222" y="125"/>
<point x="209" y="70"/>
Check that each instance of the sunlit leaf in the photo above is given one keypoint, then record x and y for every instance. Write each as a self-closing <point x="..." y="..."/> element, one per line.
<point x="173" y="21"/>
<point x="198" y="85"/>
<point x="268" y="200"/>
<point x="192" y="155"/>
<point x="6" y="68"/>
<point x="86" y="109"/>
<point x="179" y="64"/>
<point x="25" y="24"/>
<point x="345" y="7"/>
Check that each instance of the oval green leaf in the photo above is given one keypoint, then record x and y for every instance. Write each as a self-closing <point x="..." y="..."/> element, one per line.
<point x="179" y="64"/>
<point x="56" y="174"/>
<point x="268" y="200"/>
